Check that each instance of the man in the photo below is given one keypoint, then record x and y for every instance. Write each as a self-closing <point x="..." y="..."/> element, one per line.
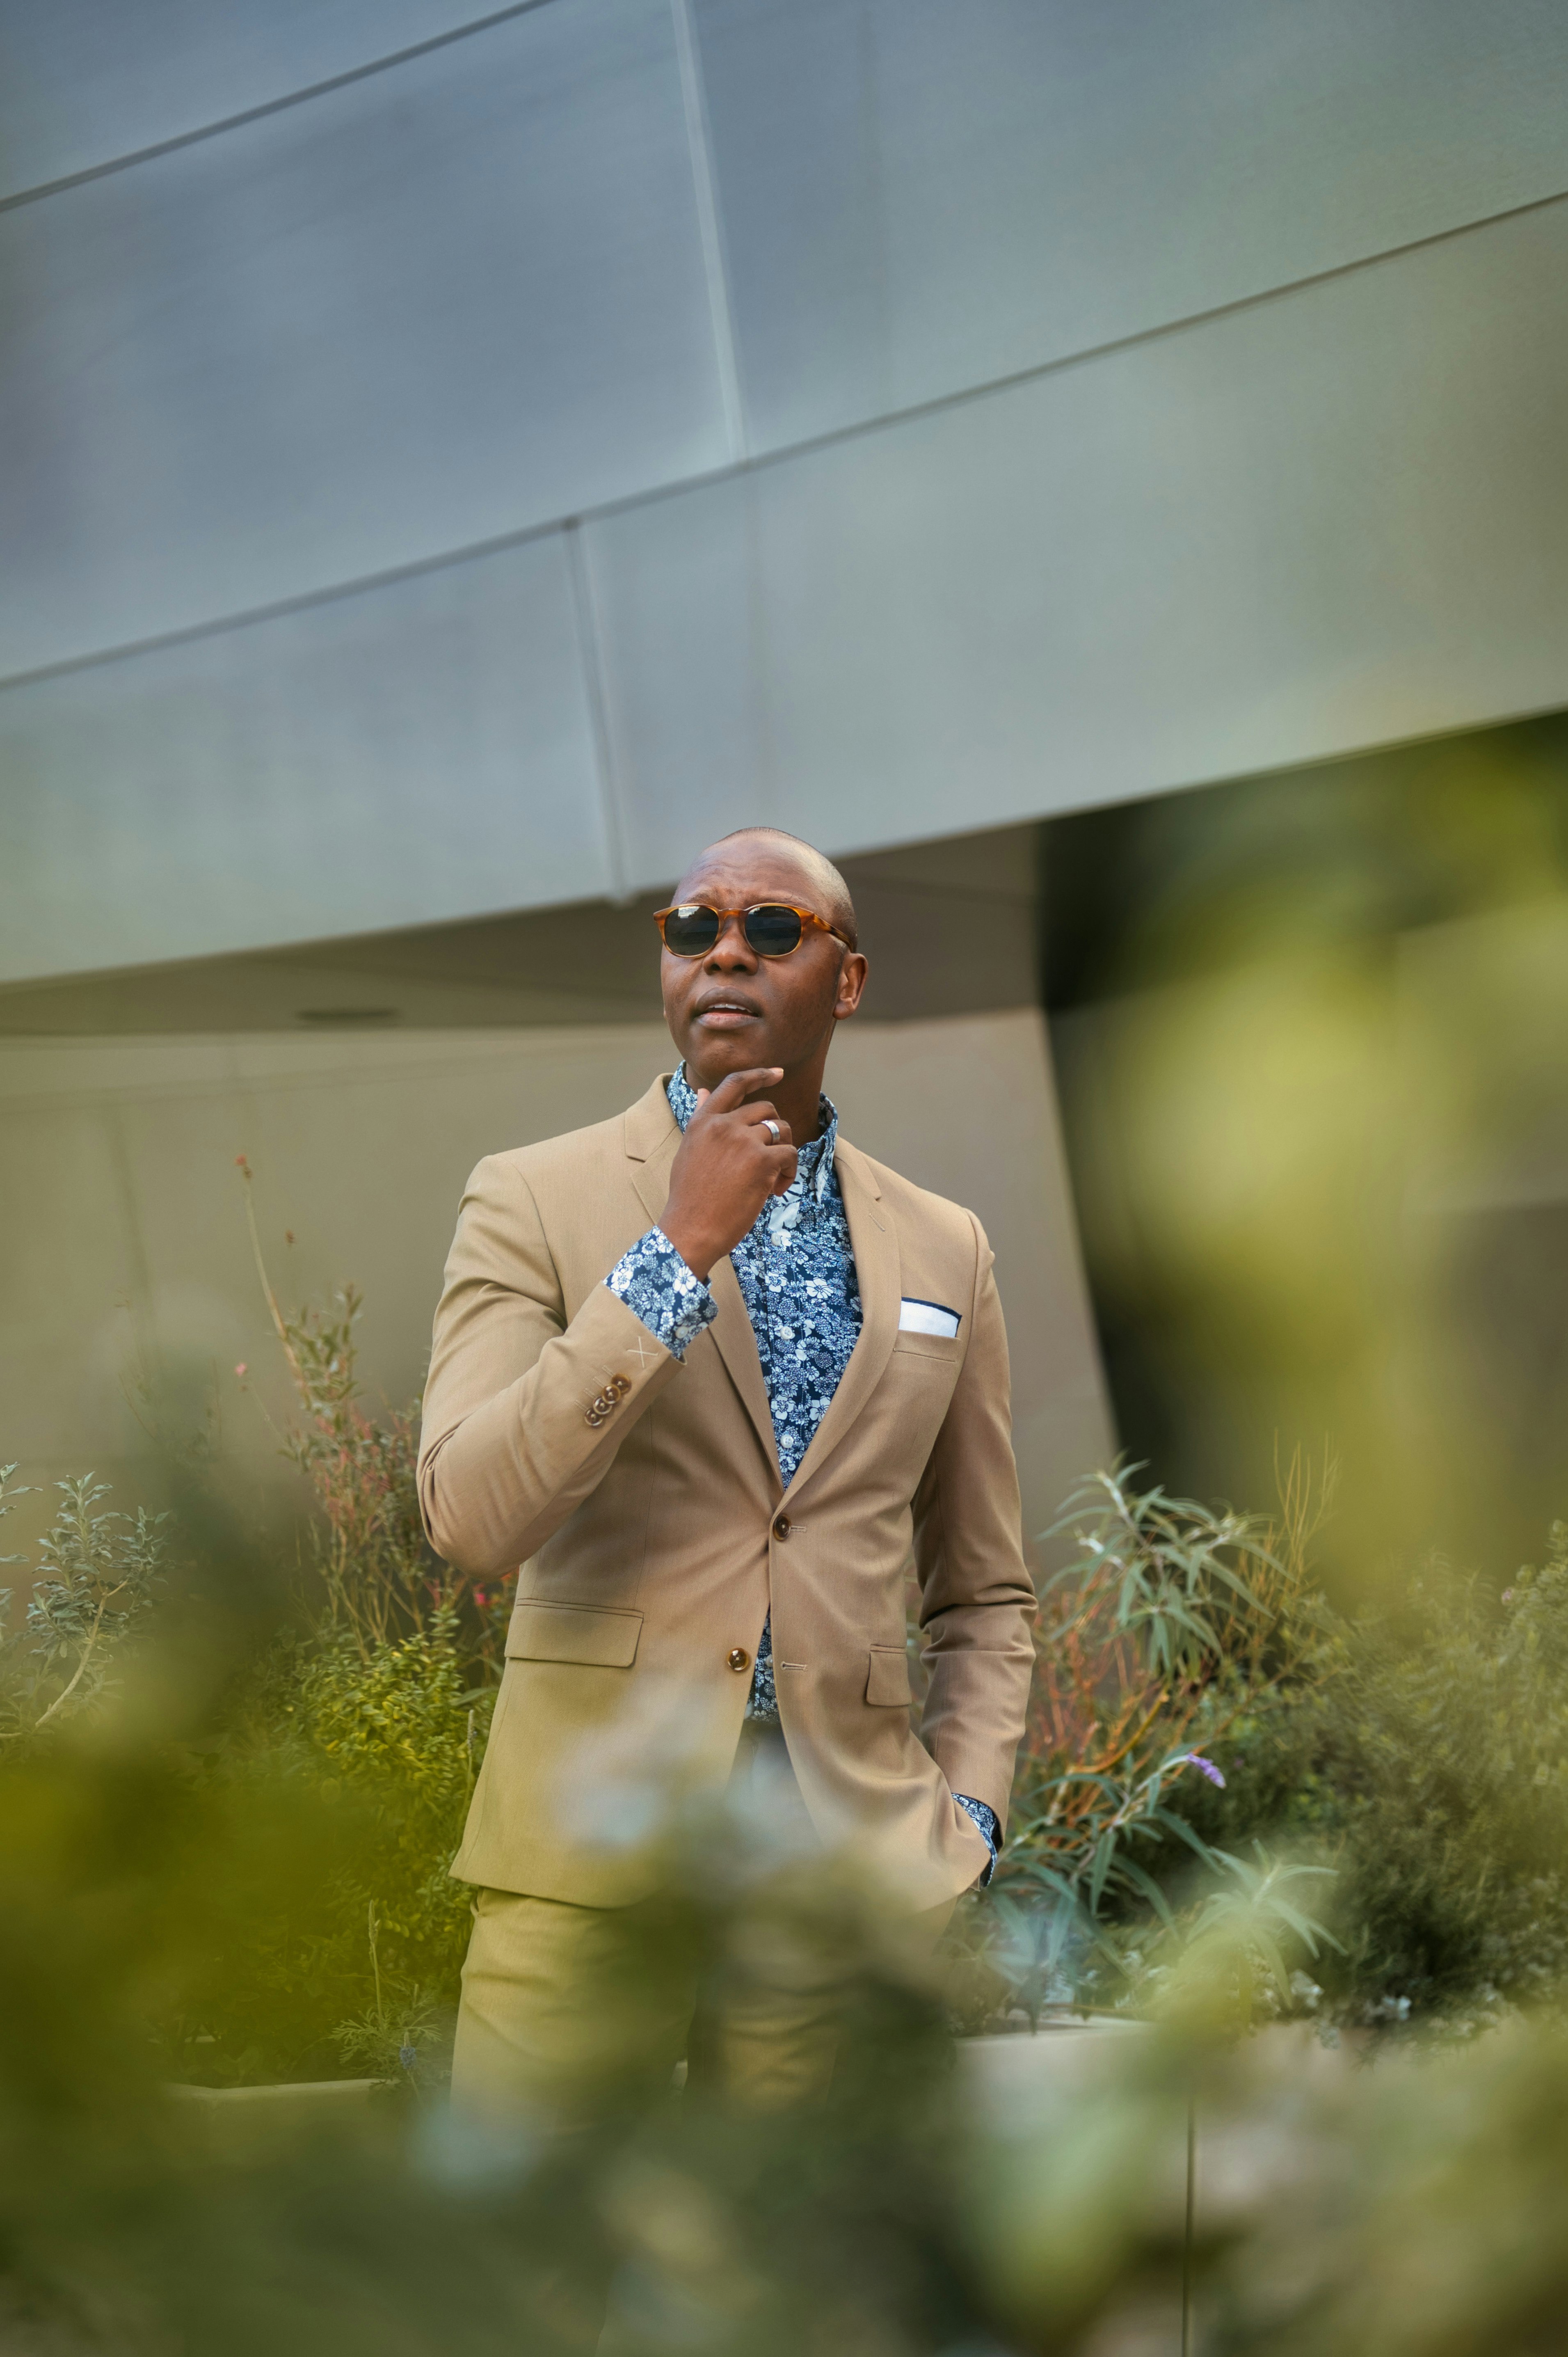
<point x="709" y="1374"/>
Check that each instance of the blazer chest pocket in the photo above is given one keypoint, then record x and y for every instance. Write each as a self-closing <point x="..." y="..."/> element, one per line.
<point x="597" y="1635"/>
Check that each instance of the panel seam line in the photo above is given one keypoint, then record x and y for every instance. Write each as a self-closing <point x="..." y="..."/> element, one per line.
<point x="585" y="619"/>
<point x="259" y="112"/>
<point x="699" y="141"/>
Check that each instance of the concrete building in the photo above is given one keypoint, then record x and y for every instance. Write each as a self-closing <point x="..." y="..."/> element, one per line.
<point x="453" y="464"/>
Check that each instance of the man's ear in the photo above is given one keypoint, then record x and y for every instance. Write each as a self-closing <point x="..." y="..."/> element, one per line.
<point x="852" y="983"/>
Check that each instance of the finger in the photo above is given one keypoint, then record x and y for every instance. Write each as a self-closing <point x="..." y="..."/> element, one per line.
<point x="737" y="1086"/>
<point x="703" y="1096"/>
<point x="763" y="1117"/>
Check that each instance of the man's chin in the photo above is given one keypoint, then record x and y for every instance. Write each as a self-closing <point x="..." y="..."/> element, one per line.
<point x="711" y="1056"/>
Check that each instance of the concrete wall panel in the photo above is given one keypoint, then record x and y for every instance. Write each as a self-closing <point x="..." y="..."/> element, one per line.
<point x="1328" y="521"/>
<point x="436" y="307"/>
<point x="918" y="197"/>
<point x="379" y="759"/>
<point x="473" y="292"/>
<point x="1325" y="522"/>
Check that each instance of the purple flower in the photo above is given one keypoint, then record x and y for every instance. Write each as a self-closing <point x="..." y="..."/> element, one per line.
<point x="1204" y="1767"/>
<point x="408" y="2056"/>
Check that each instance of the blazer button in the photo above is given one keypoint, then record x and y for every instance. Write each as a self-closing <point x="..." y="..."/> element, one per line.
<point x="740" y="1659"/>
<point x="782" y="1527"/>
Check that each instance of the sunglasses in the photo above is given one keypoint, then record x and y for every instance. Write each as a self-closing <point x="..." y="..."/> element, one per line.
<point x="772" y="927"/>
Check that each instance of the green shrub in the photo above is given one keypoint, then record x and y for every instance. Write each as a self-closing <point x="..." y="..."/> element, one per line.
<point x="318" y="1820"/>
<point x="1205" y="1724"/>
<point x="97" y="1574"/>
<point x="1171" y="1624"/>
<point x="372" y="1711"/>
<point x="1429" y="1763"/>
<point x="357" y="1961"/>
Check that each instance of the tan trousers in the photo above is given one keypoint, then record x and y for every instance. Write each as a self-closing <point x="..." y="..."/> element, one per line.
<point x="562" y="2005"/>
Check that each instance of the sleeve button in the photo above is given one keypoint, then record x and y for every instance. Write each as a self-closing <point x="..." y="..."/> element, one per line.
<point x="740" y="1659"/>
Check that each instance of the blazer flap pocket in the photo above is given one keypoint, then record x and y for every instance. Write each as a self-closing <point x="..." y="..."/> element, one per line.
<point x="596" y="1634"/>
<point x="928" y="1346"/>
<point x="888" y="1678"/>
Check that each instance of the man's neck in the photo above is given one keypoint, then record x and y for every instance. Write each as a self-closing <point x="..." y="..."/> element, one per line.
<point x="800" y="1102"/>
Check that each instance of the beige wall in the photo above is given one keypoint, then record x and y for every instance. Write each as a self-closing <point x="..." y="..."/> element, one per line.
<point x="123" y="1227"/>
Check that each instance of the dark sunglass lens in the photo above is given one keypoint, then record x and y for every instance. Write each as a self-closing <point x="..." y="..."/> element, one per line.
<point x="772" y="931"/>
<point x="691" y="932"/>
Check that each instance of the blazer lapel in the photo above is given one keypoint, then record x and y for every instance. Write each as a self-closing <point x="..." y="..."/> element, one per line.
<point x="876" y="1269"/>
<point x="652" y="1136"/>
<point x="737" y="1343"/>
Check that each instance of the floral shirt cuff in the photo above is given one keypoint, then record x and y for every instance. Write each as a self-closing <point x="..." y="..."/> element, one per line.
<point x="655" y="1283"/>
<point x="986" y="1819"/>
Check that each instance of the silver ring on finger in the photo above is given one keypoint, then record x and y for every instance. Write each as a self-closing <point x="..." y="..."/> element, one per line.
<point x="777" y="1132"/>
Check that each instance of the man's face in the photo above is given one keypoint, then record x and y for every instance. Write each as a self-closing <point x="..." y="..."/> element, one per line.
<point x="731" y="1010"/>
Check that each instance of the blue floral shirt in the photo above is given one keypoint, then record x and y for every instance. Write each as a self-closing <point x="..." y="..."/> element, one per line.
<point x="797" y="1276"/>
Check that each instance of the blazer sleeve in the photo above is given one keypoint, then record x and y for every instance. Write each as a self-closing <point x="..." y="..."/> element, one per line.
<point x="977" y="1602"/>
<point x="524" y="1408"/>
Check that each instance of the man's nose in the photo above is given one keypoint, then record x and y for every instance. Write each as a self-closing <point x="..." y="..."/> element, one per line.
<point x="732" y="948"/>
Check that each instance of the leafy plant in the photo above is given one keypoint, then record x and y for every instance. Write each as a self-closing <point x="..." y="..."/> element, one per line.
<point x="1423" y="1753"/>
<point x="381" y="1579"/>
<point x="96" y="1576"/>
<point x="337" y="1782"/>
<point x="1226" y="1963"/>
<point x="376" y="1706"/>
<point x="386" y="2038"/>
<point x="1170" y="1619"/>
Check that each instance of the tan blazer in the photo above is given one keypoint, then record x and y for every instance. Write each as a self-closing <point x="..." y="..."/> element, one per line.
<point x="642" y="1498"/>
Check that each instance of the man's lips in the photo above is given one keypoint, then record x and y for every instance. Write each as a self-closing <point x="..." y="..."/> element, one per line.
<point x="725" y="1014"/>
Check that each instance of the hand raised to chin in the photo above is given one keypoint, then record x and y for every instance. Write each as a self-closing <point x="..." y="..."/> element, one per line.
<point x="734" y="1156"/>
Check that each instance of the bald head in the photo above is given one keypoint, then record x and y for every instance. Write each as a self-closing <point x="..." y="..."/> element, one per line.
<point x="824" y="889"/>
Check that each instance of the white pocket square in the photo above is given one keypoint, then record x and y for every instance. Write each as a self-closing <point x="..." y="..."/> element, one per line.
<point x="928" y="1317"/>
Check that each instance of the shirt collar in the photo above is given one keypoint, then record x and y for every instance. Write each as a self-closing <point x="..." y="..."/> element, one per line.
<point x="814" y="1162"/>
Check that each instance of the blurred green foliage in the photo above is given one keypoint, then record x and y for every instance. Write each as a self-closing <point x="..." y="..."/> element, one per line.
<point x="129" y="2224"/>
<point x="353" y="1961"/>
<point x="224" y="1860"/>
<point x="370" y="1708"/>
<point x="309" y="1780"/>
<point x="1308" y="1034"/>
<point x="1025" y="2202"/>
<point x="1424" y="1753"/>
<point x="1208" y="1729"/>
<point x="1171" y="1624"/>
<point x="1412" y="1764"/>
